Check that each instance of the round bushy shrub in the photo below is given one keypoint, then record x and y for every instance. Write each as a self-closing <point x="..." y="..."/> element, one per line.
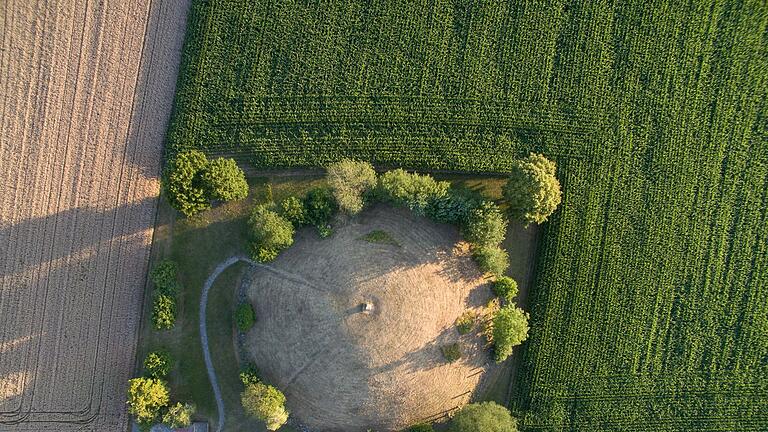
<point x="164" y="312"/>
<point x="320" y="207"/>
<point x="164" y="277"/>
<point x="245" y="317"/>
<point x="183" y="185"/>
<point x="224" y="180"/>
<point x="412" y="190"/>
<point x="269" y="234"/>
<point x="510" y="329"/>
<point x="485" y="225"/>
<point x="350" y="180"/>
<point x="157" y="364"/>
<point x="532" y="191"/>
<point x="146" y="398"/>
<point x="266" y="403"/>
<point x="491" y="259"/>
<point x="179" y="415"/>
<point x="483" y="417"/>
<point x="505" y="287"/>
<point x="466" y="322"/>
<point x="293" y="209"/>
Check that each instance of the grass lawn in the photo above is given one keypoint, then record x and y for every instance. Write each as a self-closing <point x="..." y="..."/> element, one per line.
<point x="199" y="243"/>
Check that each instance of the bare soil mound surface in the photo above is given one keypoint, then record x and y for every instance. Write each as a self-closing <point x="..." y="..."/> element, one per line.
<point x="344" y="368"/>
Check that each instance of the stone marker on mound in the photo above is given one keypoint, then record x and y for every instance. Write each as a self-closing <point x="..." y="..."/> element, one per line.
<point x="351" y="331"/>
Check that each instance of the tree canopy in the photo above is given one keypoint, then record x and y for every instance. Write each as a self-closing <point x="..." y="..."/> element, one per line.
<point x="350" y="180"/>
<point x="510" y="328"/>
<point x="224" y="180"/>
<point x="532" y="190"/>
<point x="146" y="398"/>
<point x="266" y="403"/>
<point x="483" y="417"/>
<point x="269" y="232"/>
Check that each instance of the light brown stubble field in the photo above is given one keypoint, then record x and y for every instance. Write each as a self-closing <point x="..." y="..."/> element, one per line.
<point x="86" y="91"/>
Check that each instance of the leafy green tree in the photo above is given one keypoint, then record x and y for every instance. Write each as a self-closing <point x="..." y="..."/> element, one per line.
<point x="146" y="398"/>
<point x="269" y="233"/>
<point x="179" y="415"/>
<point x="245" y="317"/>
<point x="532" y="191"/>
<point x="266" y="403"/>
<point x="454" y="207"/>
<point x="412" y="190"/>
<point x="293" y="209"/>
<point x="164" y="312"/>
<point x="491" y="259"/>
<point x="505" y="287"/>
<point x="157" y="364"/>
<point x="164" y="277"/>
<point x="483" y="417"/>
<point x="224" y="180"/>
<point x="183" y="185"/>
<point x="485" y="225"/>
<point x="350" y="180"/>
<point x="510" y="329"/>
<point x="320" y="206"/>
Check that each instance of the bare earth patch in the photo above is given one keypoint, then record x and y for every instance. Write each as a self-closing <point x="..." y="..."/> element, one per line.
<point x="86" y="90"/>
<point x="343" y="368"/>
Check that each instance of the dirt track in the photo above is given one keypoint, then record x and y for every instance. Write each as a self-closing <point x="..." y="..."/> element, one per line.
<point x="86" y="92"/>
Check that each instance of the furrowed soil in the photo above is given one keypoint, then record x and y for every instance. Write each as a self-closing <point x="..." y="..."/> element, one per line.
<point x="87" y="89"/>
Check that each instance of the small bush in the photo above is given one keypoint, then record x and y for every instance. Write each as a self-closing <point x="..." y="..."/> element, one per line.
<point x="320" y="206"/>
<point x="164" y="277"/>
<point x="245" y="317"/>
<point x="510" y="329"/>
<point x="415" y="191"/>
<point x="421" y="427"/>
<point x="505" y="288"/>
<point x="532" y="191"/>
<point x="265" y="403"/>
<point x="179" y="415"/>
<point x="250" y="375"/>
<point x="293" y="209"/>
<point x="350" y="180"/>
<point x="157" y="364"/>
<point x="269" y="233"/>
<point x="146" y="398"/>
<point x="491" y="259"/>
<point x="466" y="322"/>
<point x="379" y="236"/>
<point x="451" y="352"/>
<point x="183" y="185"/>
<point x="164" y="312"/>
<point x="485" y="225"/>
<point x="224" y="180"/>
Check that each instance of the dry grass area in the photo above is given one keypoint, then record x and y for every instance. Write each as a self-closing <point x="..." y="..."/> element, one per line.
<point x="343" y="369"/>
<point x="86" y="93"/>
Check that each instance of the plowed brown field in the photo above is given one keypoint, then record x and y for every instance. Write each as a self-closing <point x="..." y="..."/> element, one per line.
<point x="87" y="89"/>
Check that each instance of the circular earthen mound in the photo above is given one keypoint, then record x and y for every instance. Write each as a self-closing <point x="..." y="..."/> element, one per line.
<point x="343" y="367"/>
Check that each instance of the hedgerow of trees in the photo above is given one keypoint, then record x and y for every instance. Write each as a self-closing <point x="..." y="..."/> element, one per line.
<point x="532" y="190"/>
<point x="483" y="417"/>
<point x="191" y="182"/>
<point x="350" y="180"/>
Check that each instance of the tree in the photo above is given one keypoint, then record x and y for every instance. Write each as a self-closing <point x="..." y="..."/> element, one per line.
<point x="270" y="233"/>
<point x="483" y="417"/>
<point x="293" y="209"/>
<point x="157" y="364"/>
<point x="485" y="225"/>
<point x="505" y="287"/>
<point x="411" y="190"/>
<point x="491" y="259"/>
<point x="349" y="180"/>
<point x="146" y="397"/>
<point x="510" y="329"/>
<point x="164" y="277"/>
<point x="532" y="191"/>
<point x="164" y="312"/>
<point x="320" y="206"/>
<point x="179" y="415"/>
<point x="266" y="403"/>
<point x="224" y="180"/>
<point x="183" y="185"/>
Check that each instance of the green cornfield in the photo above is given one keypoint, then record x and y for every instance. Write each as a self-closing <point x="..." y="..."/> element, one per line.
<point x="650" y="304"/>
